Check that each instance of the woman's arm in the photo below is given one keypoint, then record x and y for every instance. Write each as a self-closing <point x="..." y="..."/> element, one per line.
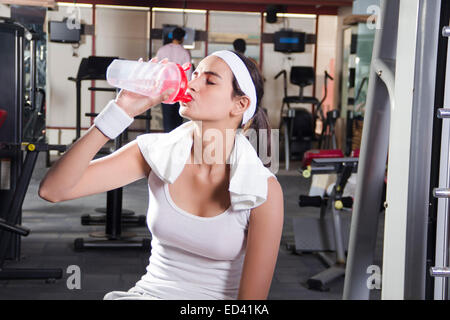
<point x="76" y="175"/>
<point x="263" y="243"/>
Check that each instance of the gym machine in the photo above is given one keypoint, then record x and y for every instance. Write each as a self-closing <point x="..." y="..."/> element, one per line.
<point x="298" y="125"/>
<point x="408" y="80"/>
<point x="11" y="223"/>
<point x="91" y="68"/>
<point x="15" y="174"/>
<point x="326" y="235"/>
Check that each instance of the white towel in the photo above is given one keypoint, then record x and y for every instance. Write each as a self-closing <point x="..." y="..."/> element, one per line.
<point x="167" y="154"/>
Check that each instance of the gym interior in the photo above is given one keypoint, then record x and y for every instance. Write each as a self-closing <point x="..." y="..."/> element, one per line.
<point x="355" y="91"/>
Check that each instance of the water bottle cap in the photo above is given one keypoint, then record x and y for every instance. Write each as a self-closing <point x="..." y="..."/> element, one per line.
<point x="182" y="96"/>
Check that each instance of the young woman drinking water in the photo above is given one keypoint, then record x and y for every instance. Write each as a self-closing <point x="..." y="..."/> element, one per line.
<point x="215" y="215"/>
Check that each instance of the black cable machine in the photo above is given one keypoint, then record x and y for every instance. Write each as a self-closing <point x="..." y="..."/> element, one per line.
<point x="15" y="174"/>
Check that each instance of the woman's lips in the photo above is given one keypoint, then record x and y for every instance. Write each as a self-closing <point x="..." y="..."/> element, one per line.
<point x="189" y="94"/>
<point x="186" y="103"/>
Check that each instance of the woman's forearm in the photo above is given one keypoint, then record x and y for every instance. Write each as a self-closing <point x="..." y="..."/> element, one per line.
<point x="68" y="170"/>
<point x="64" y="175"/>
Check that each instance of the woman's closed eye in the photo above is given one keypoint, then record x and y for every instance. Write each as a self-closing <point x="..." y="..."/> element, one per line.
<point x="207" y="75"/>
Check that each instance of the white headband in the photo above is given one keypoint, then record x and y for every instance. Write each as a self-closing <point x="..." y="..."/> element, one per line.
<point x="243" y="78"/>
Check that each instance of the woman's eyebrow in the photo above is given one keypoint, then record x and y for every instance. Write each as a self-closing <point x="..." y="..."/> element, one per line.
<point x="213" y="74"/>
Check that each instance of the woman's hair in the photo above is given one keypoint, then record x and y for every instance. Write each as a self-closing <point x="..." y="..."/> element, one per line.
<point x="259" y="121"/>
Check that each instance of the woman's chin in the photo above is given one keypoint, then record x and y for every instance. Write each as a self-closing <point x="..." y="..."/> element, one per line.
<point x="184" y="111"/>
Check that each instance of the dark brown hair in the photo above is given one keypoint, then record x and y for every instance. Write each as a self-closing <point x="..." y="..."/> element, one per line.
<point x="259" y="120"/>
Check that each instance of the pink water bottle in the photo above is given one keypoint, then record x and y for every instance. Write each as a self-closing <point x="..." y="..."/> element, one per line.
<point x="150" y="78"/>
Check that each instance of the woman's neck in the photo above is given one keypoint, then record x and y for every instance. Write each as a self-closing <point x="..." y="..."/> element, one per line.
<point x="212" y="144"/>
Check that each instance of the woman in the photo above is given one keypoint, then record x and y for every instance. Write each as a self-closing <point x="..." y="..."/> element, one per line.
<point x="215" y="215"/>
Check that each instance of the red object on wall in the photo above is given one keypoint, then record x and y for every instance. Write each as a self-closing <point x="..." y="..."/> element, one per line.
<point x="3" y="115"/>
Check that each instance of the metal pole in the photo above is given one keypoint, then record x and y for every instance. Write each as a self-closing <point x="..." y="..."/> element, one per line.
<point x="423" y="85"/>
<point x="372" y="163"/>
<point x="441" y="284"/>
<point x="33" y="72"/>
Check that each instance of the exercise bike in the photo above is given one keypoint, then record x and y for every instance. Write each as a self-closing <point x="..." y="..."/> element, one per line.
<point x="327" y="235"/>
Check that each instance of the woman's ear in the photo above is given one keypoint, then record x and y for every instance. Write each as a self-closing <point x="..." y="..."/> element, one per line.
<point x="241" y="104"/>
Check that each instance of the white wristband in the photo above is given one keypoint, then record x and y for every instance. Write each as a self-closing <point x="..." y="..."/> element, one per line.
<point x="112" y="120"/>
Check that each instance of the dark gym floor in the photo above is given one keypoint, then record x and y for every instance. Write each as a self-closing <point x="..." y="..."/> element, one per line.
<point x="54" y="227"/>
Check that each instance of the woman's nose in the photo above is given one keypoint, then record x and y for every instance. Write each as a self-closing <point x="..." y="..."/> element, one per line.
<point x="193" y="85"/>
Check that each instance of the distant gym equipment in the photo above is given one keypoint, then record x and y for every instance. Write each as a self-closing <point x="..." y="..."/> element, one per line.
<point x="91" y="68"/>
<point x="15" y="174"/>
<point x="327" y="235"/>
<point x="12" y="222"/>
<point x="298" y="125"/>
<point x="302" y="77"/>
<point x="94" y="68"/>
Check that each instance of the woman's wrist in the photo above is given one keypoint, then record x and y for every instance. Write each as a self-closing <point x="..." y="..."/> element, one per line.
<point x="124" y="107"/>
<point x="113" y="120"/>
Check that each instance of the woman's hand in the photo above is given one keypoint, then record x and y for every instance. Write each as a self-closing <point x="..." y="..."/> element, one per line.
<point x="135" y="104"/>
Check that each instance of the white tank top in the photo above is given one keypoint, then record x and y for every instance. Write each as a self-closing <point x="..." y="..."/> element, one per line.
<point x="192" y="257"/>
<point x="196" y="257"/>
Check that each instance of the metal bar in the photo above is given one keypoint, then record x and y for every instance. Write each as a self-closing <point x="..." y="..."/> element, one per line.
<point x="443" y="113"/>
<point x="385" y="69"/>
<point x="308" y="7"/>
<point x="441" y="193"/>
<point x="286" y="142"/>
<point x="78" y="110"/>
<point x="441" y="285"/>
<point x="412" y="114"/>
<point x="15" y="206"/>
<point x="93" y="52"/>
<point x="372" y="162"/>
<point x="207" y="31"/>
<point x="13" y="228"/>
<point x="440" y="272"/>
<point x="316" y="33"/>
<point x="338" y="161"/>
<point x="403" y="159"/>
<point x="22" y="186"/>
<point x="446" y="31"/>
<point x="261" y="49"/>
<point x="33" y="72"/>
<point x="150" y="38"/>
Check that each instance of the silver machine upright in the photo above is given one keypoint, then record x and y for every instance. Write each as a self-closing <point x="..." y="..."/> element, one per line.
<point x="406" y="126"/>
